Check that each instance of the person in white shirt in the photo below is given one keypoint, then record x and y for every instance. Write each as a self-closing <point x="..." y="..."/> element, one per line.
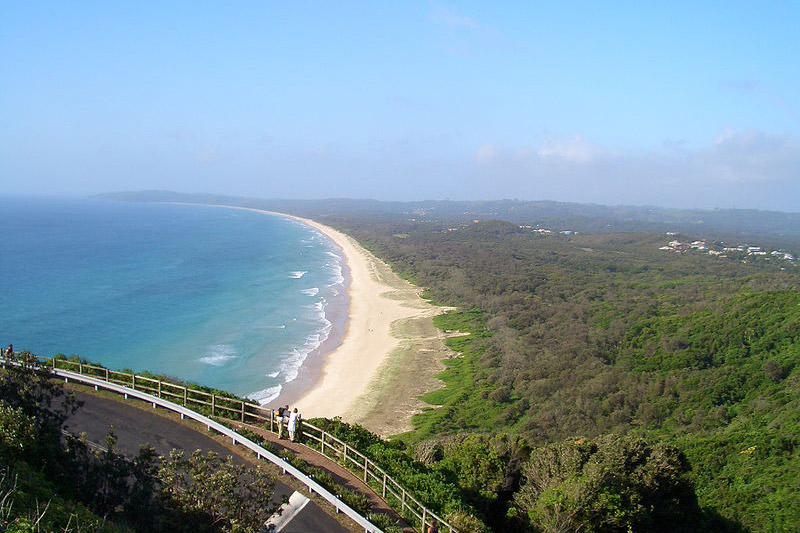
<point x="294" y="419"/>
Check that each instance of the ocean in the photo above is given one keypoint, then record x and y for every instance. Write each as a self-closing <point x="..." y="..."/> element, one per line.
<point x="227" y="298"/>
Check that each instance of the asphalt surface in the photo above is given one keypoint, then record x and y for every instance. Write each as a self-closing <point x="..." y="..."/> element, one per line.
<point x="134" y="427"/>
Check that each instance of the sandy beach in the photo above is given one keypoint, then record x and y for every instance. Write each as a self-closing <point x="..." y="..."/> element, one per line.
<point x="389" y="354"/>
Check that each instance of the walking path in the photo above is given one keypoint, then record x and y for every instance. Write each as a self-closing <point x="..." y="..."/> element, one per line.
<point x="339" y="473"/>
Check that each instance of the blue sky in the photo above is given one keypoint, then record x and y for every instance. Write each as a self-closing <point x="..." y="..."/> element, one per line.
<point x="688" y="104"/>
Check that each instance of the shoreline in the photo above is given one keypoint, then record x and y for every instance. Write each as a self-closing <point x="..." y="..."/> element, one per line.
<point x="361" y="373"/>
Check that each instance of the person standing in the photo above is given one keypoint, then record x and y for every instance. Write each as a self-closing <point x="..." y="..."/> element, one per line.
<point x="294" y="419"/>
<point x="10" y="351"/>
<point x="434" y="527"/>
<point x="283" y="413"/>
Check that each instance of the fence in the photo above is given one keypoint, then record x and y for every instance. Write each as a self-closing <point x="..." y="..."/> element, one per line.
<point x="394" y="494"/>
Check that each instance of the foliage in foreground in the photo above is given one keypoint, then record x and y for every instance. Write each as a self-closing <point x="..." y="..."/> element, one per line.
<point x="52" y="484"/>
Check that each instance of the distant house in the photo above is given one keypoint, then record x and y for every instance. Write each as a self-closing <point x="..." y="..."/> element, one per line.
<point x="782" y="255"/>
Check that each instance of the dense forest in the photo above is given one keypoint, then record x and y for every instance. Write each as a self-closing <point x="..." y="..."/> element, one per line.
<point x="594" y="335"/>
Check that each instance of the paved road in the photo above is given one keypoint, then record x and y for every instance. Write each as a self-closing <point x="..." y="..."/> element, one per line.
<point x="134" y="427"/>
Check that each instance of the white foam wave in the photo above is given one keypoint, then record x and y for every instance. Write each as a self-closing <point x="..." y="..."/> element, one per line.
<point x="219" y="355"/>
<point x="337" y="274"/>
<point x="297" y="274"/>
<point x="293" y="360"/>
<point x="265" y="396"/>
<point x="313" y="291"/>
<point x="273" y="374"/>
<point x="333" y="254"/>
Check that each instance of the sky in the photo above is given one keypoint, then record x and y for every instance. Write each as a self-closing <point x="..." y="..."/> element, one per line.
<point x="674" y="104"/>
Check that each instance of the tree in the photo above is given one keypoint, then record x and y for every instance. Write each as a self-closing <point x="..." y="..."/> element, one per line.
<point x="609" y="484"/>
<point x="218" y="492"/>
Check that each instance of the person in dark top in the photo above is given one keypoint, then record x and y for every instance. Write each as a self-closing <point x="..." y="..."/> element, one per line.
<point x="283" y="413"/>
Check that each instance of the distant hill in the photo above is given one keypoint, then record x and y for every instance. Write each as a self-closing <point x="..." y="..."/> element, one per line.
<point x="716" y="224"/>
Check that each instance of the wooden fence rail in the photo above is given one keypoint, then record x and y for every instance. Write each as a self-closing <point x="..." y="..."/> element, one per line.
<point x="392" y="492"/>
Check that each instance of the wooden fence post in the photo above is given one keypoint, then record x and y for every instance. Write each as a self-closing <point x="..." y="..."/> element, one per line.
<point x="185" y="391"/>
<point x="384" y="487"/>
<point x="213" y="403"/>
<point x="366" y="464"/>
<point x="242" y="411"/>
<point x="106" y="374"/>
<point x="424" y="515"/>
<point x="322" y="449"/>
<point x="159" y="388"/>
<point x="133" y="381"/>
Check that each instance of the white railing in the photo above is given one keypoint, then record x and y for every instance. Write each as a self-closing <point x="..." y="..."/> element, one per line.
<point x="312" y="485"/>
<point x="387" y="488"/>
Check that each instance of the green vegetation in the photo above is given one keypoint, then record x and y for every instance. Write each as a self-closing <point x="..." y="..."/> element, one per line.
<point x="599" y="335"/>
<point x="431" y="486"/>
<point x="609" y="484"/>
<point x="50" y="483"/>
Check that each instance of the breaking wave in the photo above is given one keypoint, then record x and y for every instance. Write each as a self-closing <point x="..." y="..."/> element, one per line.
<point x="219" y="355"/>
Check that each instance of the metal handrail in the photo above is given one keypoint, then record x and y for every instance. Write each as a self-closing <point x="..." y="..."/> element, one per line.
<point x="312" y="485"/>
<point x="246" y="411"/>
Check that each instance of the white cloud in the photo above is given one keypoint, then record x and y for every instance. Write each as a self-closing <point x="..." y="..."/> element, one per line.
<point x="485" y="153"/>
<point x="448" y="17"/>
<point x="736" y="168"/>
<point x="574" y="149"/>
<point x="752" y="156"/>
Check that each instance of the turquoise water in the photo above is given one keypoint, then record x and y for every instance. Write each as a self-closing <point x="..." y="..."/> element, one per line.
<point x="227" y="298"/>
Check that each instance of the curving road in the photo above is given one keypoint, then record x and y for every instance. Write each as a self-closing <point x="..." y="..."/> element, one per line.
<point x="134" y="426"/>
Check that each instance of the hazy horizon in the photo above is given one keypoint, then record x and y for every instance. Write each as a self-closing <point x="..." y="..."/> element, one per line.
<point x="676" y="106"/>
